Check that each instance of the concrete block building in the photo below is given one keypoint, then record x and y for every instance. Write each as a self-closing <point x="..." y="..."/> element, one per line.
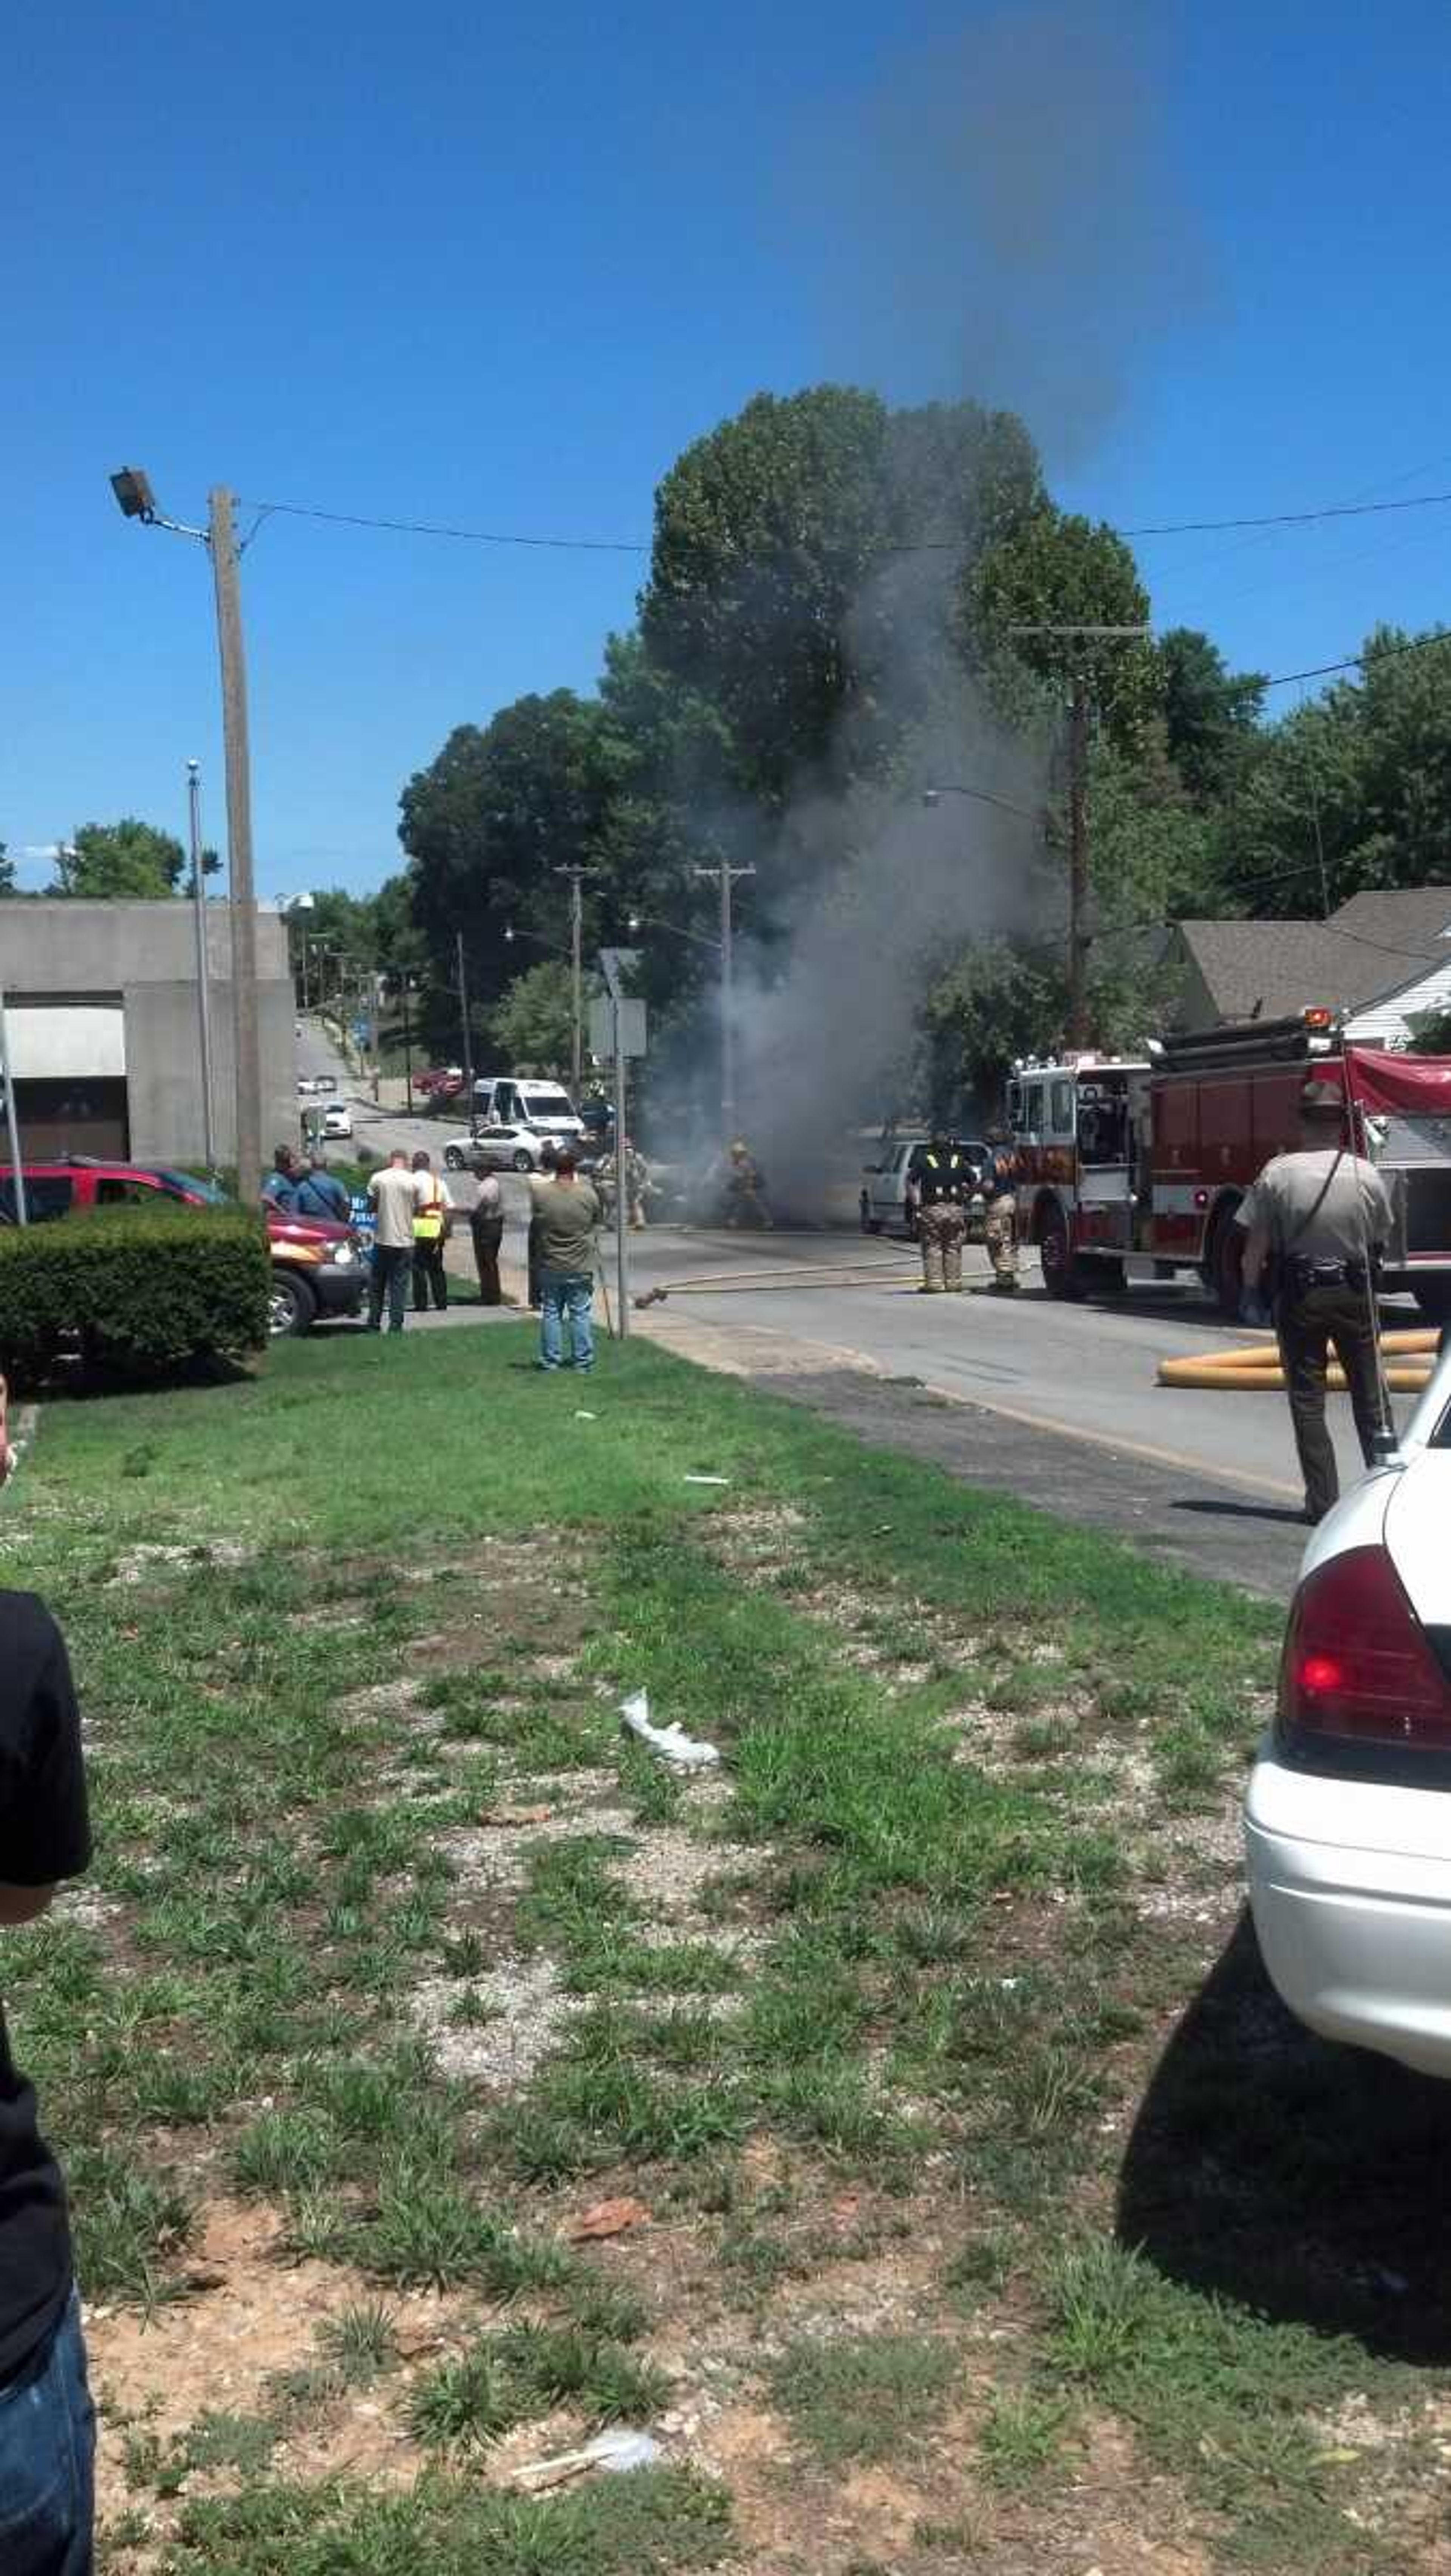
<point x="101" y="1000"/>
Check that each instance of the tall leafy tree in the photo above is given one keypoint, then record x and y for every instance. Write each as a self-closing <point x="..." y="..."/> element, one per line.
<point x="804" y="567"/>
<point x="1060" y="572"/>
<point x="129" y="860"/>
<point x="1352" y="790"/>
<point x="532" y="1026"/>
<point x="1211" y="714"/>
<point x="7" y="872"/>
<point x="496" y="815"/>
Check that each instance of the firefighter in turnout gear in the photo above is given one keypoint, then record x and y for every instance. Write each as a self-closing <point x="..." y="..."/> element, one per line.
<point x="998" y="1183"/>
<point x="939" y="1185"/>
<point x="637" y="1184"/>
<point x="745" y="1188"/>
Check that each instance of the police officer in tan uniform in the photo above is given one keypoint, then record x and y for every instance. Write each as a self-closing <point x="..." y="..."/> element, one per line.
<point x="1317" y="1221"/>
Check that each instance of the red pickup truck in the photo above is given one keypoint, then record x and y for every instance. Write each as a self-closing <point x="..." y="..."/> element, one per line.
<point x="318" y="1268"/>
<point x="441" y="1084"/>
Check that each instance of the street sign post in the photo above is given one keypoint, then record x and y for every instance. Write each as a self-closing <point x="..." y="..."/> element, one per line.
<point x="621" y="1020"/>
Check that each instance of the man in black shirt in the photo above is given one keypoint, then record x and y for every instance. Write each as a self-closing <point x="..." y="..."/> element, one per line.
<point x="46" y="2420"/>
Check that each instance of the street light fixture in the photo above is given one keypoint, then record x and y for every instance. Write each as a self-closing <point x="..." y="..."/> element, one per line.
<point x="932" y="796"/>
<point x="136" y="500"/>
<point x="677" y="929"/>
<point x="134" y="495"/>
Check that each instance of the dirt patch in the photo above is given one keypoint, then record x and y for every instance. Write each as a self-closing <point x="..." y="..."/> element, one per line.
<point x="219" y="2352"/>
<point x="151" y="1559"/>
<point x="667" y="1870"/>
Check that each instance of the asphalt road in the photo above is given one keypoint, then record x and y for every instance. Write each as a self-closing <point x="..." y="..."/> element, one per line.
<point x="1083" y="1370"/>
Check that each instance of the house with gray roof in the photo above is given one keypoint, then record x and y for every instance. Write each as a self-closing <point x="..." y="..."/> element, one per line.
<point x="1380" y="959"/>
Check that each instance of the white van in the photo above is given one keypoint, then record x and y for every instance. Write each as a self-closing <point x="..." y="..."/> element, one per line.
<point x="504" y="1100"/>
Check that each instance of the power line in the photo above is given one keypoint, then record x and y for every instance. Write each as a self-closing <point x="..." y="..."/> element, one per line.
<point x="1290" y="518"/>
<point x="639" y="546"/>
<point x="466" y="536"/>
<point x="903" y="546"/>
<point x="1358" y="661"/>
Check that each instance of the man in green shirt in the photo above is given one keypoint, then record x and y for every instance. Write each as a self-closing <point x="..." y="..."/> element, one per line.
<point x="565" y="1212"/>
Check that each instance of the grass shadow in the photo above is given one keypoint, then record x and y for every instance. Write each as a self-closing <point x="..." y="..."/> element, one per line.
<point x="94" y="1382"/>
<point x="1305" y="2180"/>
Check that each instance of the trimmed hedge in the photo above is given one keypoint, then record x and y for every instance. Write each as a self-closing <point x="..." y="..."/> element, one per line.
<point x="138" y="1289"/>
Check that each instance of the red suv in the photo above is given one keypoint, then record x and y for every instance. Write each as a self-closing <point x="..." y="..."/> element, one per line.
<point x="318" y="1268"/>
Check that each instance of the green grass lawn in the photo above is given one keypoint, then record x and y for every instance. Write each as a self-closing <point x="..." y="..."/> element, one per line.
<point x="987" y="2201"/>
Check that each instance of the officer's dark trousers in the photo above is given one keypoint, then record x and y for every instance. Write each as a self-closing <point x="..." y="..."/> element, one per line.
<point x="488" y="1234"/>
<point x="429" y="1276"/>
<point x="1311" y="1322"/>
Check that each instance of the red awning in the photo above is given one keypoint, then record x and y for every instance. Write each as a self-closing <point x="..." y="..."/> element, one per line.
<point x="1405" y="1086"/>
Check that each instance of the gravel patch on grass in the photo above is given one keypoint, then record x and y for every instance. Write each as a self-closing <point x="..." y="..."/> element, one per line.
<point x="528" y="2006"/>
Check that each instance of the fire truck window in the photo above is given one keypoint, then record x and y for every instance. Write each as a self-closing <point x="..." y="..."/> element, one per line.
<point x="1062" y="1109"/>
<point x="1101" y="1137"/>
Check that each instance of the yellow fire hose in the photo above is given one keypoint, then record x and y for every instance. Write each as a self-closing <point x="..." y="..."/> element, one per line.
<point x="1258" y="1366"/>
<point x="757" y="1283"/>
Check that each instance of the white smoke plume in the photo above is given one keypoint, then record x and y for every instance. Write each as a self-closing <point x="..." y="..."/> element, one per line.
<point x="997" y="219"/>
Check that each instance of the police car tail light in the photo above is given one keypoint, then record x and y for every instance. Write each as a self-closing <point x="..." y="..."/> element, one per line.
<point x="1357" y="1664"/>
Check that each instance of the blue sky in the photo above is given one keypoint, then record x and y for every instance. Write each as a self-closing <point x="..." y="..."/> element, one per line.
<point x="496" y="269"/>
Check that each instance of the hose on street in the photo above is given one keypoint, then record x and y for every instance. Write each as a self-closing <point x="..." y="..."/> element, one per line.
<point x="1256" y="1368"/>
<point x="751" y="1283"/>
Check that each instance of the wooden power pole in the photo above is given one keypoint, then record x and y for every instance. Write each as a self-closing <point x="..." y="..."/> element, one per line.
<point x="576" y="875"/>
<point x="246" y="1051"/>
<point x="1080" y="1025"/>
<point x="468" y="1038"/>
<point x="1077" y="632"/>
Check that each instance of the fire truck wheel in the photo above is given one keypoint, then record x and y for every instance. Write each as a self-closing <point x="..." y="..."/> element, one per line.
<point x="1062" y="1275"/>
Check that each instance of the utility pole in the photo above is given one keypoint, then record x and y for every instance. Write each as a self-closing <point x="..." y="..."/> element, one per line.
<point x="245" y="1048"/>
<point x="576" y="876"/>
<point x="136" y="500"/>
<point x="407" y="1046"/>
<point x="12" y="1123"/>
<point x="1080" y="1026"/>
<point x="463" y="1006"/>
<point x="203" y="963"/>
<point x="613" y="962"/>
<point x="729" y="877"/>
<point x="1080" y="1023"/>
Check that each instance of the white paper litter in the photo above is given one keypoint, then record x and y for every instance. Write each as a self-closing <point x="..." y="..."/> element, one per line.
<point x="613" y="2451"/>
<point x="686" y="1750"/>
<point x="580" y="1415"/>
<point x="706" y="1480"/>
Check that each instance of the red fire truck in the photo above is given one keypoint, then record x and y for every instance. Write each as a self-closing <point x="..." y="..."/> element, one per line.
<point x="1133" y="1169"/>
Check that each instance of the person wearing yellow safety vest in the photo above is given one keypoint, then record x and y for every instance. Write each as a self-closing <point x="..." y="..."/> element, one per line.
<point x="939" y="1185"/>
<point x="431" y="1222"/>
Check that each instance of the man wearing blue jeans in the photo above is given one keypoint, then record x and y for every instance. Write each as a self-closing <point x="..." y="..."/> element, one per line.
<point x="565" y="1211"/>
<point x="397" y="1194"/>
<point x="47" y="2424"/>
